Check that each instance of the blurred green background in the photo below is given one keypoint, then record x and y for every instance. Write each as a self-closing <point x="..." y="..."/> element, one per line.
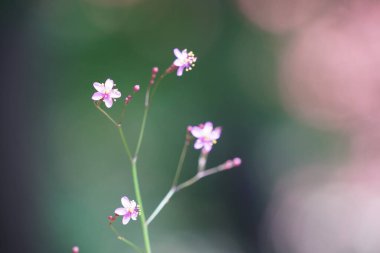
<point x="74" y="171"/>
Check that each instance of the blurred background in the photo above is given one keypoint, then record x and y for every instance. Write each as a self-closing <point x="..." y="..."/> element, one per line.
<point x="295" y="85"/>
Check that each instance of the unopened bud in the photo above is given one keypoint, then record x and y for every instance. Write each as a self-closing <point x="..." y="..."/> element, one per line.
<point x="128" y="99"/>
<point x="154" y="70"/>
<point x="75" y="249"/>
<point x="236" y="161"/>
<point x="136" y="88"/>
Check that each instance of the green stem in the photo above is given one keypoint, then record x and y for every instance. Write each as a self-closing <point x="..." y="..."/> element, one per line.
<point x="175" y="189"/>
<point x="107" y="115"/>
<point x="144" y="227"/>
<point x="123" y="239"/>
<point x="181" y="159"/>
<point x="141" y="135"/>
<point x="126" y="147"/>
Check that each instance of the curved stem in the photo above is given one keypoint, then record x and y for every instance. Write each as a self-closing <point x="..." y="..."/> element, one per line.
<point x="181" y="159"/>
<point x="175" y="189"/>
<point x="126" y="241"/>
<point x="107" y="115"/>
<point x="144" y="227"/>
<point x="163" y="202"/>
<point x="126" y="147"/>
<point x="141" y="135"/>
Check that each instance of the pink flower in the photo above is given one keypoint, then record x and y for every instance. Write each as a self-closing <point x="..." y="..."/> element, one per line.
<point x="206" y="136"/>
<point x="106" y="92"/>
<point x="75" y="249"/>
<point x="185" y="60"/>
<point x="128" y="211"/>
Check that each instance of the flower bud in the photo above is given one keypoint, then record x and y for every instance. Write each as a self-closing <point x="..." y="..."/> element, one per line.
<point x="136" y="88"/>
<point x="154" y="70"/>
<point x="75" y="249"/>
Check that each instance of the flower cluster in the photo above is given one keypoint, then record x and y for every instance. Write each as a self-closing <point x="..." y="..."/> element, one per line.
<point x="130" y="210"/>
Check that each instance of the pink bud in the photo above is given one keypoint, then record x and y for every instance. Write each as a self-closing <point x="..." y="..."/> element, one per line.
<point x="75" y="249"/>
<point x="128" y="99"/>
<point x="155" y="70"/>
<point x="189" y="128"/>
<point x="236" y="161"/>
<point x="110" y="218"/>
<point x="136" y="88"/>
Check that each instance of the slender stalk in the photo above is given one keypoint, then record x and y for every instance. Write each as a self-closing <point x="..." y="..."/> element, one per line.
<point x="145" y="116"/>
<point x="126" y="147"/>
<point x="181" y="159"/>
<point x="202" y="161"/>
<point x="107" y="115"/>
<point x="163" y="202"/>
<point x="123" y="239"/>
<point x="175" y="189"/>
<point x="144" y="227"/>
<point x="141" y="135"/>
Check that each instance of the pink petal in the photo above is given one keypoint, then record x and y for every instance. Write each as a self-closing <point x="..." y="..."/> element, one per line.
<point x="207" y="147"/>
<point x="177" y="53"/>
<point x="216" y="133"/>
<point x="184" y="53"/>
<point x="198" y="144"/>
<point x="134" y="215"/>
<point x="98" y="86"/>
<point x="108" y="101"/>
<point x="121" y="211"/>
<point x="178" y="62"/>
<point x="125" y="202"/>
<point x="109" y="84"/>
<point x="207" y="128"/>
<point x="115" y="93"/>
<point x="180" y="70"/>
<point x="132" y="204"/>
<point x="126" y="219"/>
<point x="97" y="96"/>
<point x="196" y="132"/>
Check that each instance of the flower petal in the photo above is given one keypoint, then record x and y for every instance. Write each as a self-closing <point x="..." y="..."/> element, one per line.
<point x="132" y="204"/>
<point x="207" y="147"/>
<point x="178" y="62"/>
<point x="177" y="53"/>
<point x="184" y="53"/>
<point x="198" y="144"/>
<point x="97" y="96"/>
<point x="207" y="128"/>
<point x="98" y="86"/>
<point x="121" y="211"/>
<point x="180" y="70"/>
<point x="196" y="131"/>
<point x="216" y="133"/>
<point x="125" y="202"/>
<point x="115" y="93"/>
<point x="126" y="219"/>
<point x="108" y="101"/>
<point x="134" y="215"/>
<point x="109" y="84"/>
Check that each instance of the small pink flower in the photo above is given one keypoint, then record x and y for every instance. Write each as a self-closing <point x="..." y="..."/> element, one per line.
<point x="129" y="210"/>
<point x="75" y="249"/>
<point x="185" y="60"/>
<point x="206" y="136"/>
<point x="106" y="92"/>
